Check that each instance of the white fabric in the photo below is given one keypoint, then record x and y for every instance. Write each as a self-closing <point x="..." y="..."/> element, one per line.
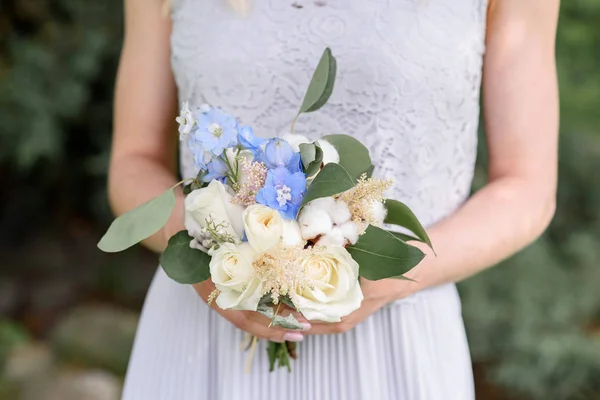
<point x="409" y="74"/>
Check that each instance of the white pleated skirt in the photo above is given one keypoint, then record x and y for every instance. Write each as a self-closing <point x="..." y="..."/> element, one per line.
<point x="414" y="349"/>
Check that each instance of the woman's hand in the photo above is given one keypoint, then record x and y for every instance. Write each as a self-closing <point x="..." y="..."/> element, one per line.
<point x="250" y="321"/>
<point x="376" y="295"/>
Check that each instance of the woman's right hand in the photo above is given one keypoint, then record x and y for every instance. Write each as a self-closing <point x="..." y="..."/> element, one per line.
<point x="252" y="322"/>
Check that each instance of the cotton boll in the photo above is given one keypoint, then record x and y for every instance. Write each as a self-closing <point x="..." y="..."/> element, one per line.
<point x="291" y="235"/>
<point x="326" y="204"/>
<point x="314" y="222"/>
<point x="350" y="231"/>
<point x="330" y="154"/>
<point x="333" y="238"/>
<point x="379" y="212"/>
<point x="295" y="140"/>
<point x="340" y="212"/>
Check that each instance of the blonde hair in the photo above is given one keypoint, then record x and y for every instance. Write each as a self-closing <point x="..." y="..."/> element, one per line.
<point x="240" y="6"/>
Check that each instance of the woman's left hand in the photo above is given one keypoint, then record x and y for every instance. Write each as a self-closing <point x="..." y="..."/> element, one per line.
<point x="376" y="295"/>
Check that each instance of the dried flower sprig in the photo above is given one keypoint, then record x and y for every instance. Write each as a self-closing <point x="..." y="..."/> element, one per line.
<point x="255" y="175"/>
<point x="360" y="199"/>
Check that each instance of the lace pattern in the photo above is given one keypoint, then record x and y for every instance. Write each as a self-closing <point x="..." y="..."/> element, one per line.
<point x="409" y="73"/>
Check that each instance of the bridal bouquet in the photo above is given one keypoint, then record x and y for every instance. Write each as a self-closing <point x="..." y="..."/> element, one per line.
<point x="278" y="221"/>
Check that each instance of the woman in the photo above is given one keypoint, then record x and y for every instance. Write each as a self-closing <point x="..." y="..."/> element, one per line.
<point x="408" y="86"/>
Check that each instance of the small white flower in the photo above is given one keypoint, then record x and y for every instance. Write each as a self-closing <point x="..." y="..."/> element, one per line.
<point x="330" y="154"/>
<point x="185" y="120"/>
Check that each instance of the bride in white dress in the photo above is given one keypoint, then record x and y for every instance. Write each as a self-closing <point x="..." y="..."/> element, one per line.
<point x="409" y="78"/>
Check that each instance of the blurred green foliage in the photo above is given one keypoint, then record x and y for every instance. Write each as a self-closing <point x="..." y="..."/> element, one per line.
<point x="533" y="321"/>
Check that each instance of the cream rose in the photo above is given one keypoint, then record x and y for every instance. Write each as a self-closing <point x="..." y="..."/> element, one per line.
<point x="213" y="201"/>
<point x="333" y="290"/>
<point x="263" y="227"/>
<point x="233" y="275"/>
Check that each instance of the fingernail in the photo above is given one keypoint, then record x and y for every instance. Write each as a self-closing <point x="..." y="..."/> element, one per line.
<point x="293" y="337"/>
<point x="306" y="326"/>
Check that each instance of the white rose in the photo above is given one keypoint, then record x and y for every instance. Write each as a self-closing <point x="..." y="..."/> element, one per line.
<point x="233" y="275"/>
<point x="295" y="140"/>
<point x="334" y="290"/>
<point x="330" y="154"/>
<point x="213" y="201"/>
<point x="263" y="227"/>
<point x="291" y="235"/>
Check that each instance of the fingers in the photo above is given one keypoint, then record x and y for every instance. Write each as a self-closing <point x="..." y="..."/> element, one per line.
<point x="258" y="325"/>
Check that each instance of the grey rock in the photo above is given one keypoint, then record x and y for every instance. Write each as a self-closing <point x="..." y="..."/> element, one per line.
<point x="75" y="385"/>
<point x="97" y="336"/>
<point x="28" y="361"/>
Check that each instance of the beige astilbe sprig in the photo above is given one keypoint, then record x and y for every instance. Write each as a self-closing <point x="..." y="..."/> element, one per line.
<point x="281" y="273"/>
<point x="361" y="197"/>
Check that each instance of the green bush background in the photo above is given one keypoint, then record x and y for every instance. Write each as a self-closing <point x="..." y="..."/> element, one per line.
<point x="533" y="322"/>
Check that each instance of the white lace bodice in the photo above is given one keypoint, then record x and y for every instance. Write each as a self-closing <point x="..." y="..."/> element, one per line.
<point x="409" y="74"/>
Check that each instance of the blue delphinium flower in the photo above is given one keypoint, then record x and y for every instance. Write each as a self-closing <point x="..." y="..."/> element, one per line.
<point x="217" y="170"/>
<point x="248" y="141"/>
<point x="215" y="131"/>
<point x="283" y="191"/>
<point x="279" y="153"/>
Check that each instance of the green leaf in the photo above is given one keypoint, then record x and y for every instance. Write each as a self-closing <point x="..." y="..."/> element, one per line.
<point x="182" y="263"/>
<point x="321" y="84"/>
<point x="399" y="214"/>
<point x="312" y="158"/>
<point x="403" y="237"/>
<point x="138" y="224"/>
<point x="272" y="352"/>
<point x="289" y="322"/>
<point x="332" y="179"/>
<point x="354" y="156"/>
<point x="381" y="255"/>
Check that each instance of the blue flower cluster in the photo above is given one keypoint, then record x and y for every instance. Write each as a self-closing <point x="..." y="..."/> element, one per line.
<point x="286" y="183"/>
<point x="214" y="132"/>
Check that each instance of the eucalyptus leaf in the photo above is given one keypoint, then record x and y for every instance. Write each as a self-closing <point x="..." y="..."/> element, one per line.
<point x="312" y="158"/>
<point x="332" y="179"/>
<point x="354" y="156"/>
<point x="289" y="322"/>
<point x="182" y="263"/>
<point x="380" y="255"/>
<point x="138" y="224"/>
<point x="404" y="237"/>
<point x="321" y="84"/>
<point x="399" y="214"/>
<point x="369" y="171"/>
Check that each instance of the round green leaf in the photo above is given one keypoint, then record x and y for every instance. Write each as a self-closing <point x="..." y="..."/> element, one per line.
<point x="312" y="158"/>
<point x="332" y="179"/>
<point x="354" y="156"/>
<point x="381" y="255"/>
<point x="138" y="224"/>
<point x="182" y="263"/>
<point x="321" y="84"/>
